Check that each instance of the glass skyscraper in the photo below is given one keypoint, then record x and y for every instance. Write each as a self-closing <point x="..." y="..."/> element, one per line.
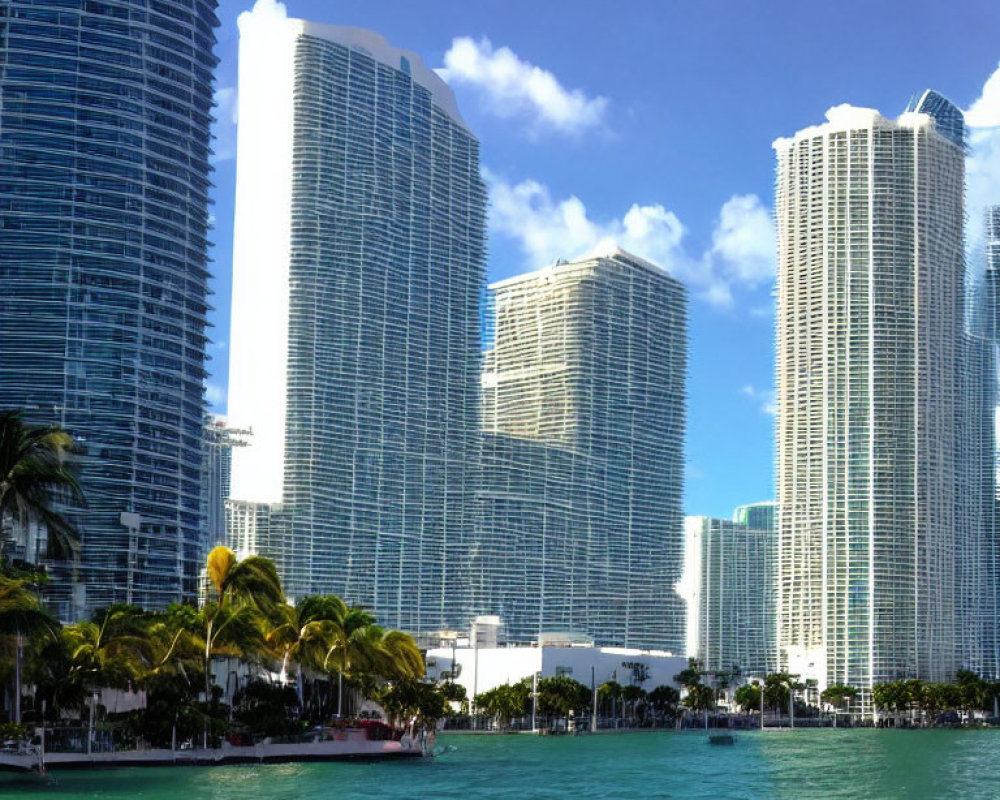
<point x="579" y="521"/>
<point x="359" y="260"/>
<point x="880" y="554"/>
<point x="731" y="591"/>
<point x="104" y="181"/>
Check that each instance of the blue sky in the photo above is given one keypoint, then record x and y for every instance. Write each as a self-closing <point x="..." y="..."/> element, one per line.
<point x="651" y="123"/>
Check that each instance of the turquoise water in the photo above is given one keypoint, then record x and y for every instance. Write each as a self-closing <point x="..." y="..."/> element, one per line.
<point x="791" y="764"/>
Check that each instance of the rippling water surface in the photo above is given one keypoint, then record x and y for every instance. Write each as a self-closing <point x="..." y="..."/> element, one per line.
<point x="802" y="764"/>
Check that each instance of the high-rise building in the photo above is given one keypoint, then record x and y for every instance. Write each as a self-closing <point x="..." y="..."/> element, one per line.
<point x="359" y="259"/>
<point x="104" y="180"/>
<point x="980" y="453"/>
<point x="729" y="584"/>
<point x="220" y="439"/>
<point x="756" y="515"/>
<point x="254" y="528"/>
<point x="579" y="521"/>
<point x="873" y="491"/>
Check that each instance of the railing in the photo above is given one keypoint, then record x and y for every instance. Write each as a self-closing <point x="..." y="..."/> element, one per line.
<point x="75" y="740"/>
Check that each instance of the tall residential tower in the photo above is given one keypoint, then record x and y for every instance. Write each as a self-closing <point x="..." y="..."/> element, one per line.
<point x="874" y="530"/>
<point x="729" y="585"/>
<point x="579" y="522"/>
<point x="359" y="259"/>
<point x="104" y="180"/>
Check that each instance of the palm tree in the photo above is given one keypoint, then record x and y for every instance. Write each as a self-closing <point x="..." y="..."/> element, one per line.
<point x="305" y="634"/>
<point x="350" y="645"/>
<point x="611" y="690"/>
<point x="632" y="695"/>
<point x="664" y="700"/>
<point x="246" y="592"/>
<point x="114" y="650"/>
<point x="700" y="697"/>
<point x="33" y="462"/>
<point x="22" y="612"/>
<point x="401" y="657"/>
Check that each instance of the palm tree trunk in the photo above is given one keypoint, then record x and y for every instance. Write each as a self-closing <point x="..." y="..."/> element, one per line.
<point x="17" y="677"/>
<point x="340" y="692"/>
<point x="208" y="653"/>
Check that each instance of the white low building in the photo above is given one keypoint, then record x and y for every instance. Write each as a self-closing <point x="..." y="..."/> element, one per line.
<point x="480" y="669"/>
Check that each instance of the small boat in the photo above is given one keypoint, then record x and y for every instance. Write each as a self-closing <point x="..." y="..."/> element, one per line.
<point x="721" y="738"/>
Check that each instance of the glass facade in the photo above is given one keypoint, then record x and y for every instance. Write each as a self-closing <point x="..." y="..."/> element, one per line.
<point x="578" y="523"/>
<point x="756" y="515"/>
<point x="732" y="606"/>
<point x="104" y="181"/>
<point x="385" y="267"/>
<point x="881" y="547"/>
<point x="217" y="468"/>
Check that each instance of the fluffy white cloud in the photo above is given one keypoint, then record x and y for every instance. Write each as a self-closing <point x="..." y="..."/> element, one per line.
<point x="766" y="397"/>
<point x="215" y="395"/>
<point x="264" y="11"/>
<point x="744" y="240"/>
<point x="742" y="252"/>
<point x="224" y="126"/>
<point x="512" y="87"/>
<point x="983" y="162"/>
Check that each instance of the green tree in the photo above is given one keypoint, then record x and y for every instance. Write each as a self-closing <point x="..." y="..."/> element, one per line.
<point x="303" y="633"/>
<point x="248" y="596"/>
<point x="410" y="701"/>
<point x="973" y="691"/>
<point x="893" y="696"/>
<point x="505" y="702"/>
<point x="664" y="700"/>
<point x="35" y="461"/>
<point x="690" y="675"/>
<point x="747" y="697"/>
<point x="113" y="650"/>
<point x="700" y="697"/>
<point x="262" y="708"/>
<point x="559" y="695"/>
<point x="349" y="647"/>
<point x="21" y="614"/>
<point x="366" y="654"/>
<point x="633" y="696"/>
<point x="777" y="690"/>
<point x="49" y="667"/>
<point x="838" y="695"/>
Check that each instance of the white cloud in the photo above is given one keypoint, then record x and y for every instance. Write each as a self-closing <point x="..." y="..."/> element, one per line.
<point x="742" y="252"/>
<point x="215" y="395"/>
<point x="264" y="11"/>
<point x="693" y="472"/>
<point x="511" y="87"/>
<point x="766" y="397"/>
<point x="982" y="166"/>
<point x="985" y="110"/>
<point x="744" y="240"/>
<point x="224" y="126"/>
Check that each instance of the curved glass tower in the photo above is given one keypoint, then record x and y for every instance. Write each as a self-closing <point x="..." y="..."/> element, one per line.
<point x="104" y="180"/>
<point x="359" y="258"/>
